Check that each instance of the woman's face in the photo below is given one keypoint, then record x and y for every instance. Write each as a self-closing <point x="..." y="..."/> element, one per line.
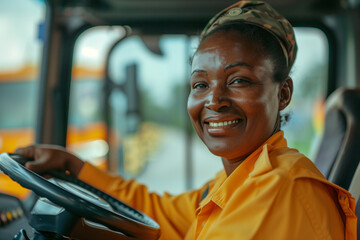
<point x="234" y="103"/>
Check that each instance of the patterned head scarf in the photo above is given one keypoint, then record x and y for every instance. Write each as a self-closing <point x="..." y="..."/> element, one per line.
<point x="261" y="14"/>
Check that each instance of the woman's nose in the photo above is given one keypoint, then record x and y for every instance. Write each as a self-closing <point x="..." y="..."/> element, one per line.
<point x="217" y="100"/>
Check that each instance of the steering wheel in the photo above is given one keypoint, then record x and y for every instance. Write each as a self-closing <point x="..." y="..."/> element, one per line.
<point x="81" y="199"/>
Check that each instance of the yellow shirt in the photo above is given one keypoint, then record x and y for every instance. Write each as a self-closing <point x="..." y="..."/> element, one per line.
<point x="276" y="193"/>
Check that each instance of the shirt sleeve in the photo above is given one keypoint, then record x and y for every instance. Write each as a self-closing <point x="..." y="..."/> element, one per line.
<point x="174" y="214"/>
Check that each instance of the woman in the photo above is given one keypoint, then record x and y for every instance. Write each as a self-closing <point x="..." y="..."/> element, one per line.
<point x="239" y="84"/>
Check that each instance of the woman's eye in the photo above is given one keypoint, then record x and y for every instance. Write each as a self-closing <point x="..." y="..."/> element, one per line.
<point x="240" y="81"/>
<point x="199" y="85"/>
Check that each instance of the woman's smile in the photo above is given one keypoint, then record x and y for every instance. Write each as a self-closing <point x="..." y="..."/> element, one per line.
<point x="218" y="127"/>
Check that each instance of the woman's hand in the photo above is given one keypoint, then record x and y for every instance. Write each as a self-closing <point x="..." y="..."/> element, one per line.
<point x="50" y="157"/>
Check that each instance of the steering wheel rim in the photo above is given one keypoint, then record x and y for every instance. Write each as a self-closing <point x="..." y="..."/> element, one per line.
<point x="138" y="228"/>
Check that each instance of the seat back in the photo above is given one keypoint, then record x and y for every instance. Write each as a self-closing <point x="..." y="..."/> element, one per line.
<point x="339" y="152"/>
<point x="355" y="185"/>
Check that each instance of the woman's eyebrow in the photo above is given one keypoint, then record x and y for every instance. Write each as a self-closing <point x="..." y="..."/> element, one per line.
<point x="237" y="64"/>
<point x="198" y="70"/>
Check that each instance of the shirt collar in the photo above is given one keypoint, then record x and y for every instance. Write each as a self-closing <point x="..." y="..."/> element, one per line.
<point x="254" y="165"/>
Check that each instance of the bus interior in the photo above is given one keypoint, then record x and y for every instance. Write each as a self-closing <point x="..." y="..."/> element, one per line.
<point x="108" y="80"/>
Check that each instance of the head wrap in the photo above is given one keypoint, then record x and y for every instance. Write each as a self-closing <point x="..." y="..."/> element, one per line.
<point x="261" y="14"/>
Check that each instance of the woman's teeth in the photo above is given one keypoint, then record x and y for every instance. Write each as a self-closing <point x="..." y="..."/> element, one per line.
<point x="220" y="124"/>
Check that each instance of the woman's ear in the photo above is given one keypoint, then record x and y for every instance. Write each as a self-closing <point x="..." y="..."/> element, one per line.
<point x="286" y="91"/>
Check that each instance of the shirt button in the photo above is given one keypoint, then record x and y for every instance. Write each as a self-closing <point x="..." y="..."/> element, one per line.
<point x="342" y="197"/>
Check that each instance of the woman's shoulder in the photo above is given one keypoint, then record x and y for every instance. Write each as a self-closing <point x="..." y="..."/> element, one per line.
<point x="293" y="164"/>
<point x="276" y="158"/>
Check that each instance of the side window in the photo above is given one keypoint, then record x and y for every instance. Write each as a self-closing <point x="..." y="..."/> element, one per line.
<point x="310" y="76"/>
<point x="21" y="45"/>
<point x="87" y="132"/>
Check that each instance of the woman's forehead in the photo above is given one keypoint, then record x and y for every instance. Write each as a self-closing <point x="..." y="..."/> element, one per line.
<point x="227" y="50"/>
<point x="226" y="47"/>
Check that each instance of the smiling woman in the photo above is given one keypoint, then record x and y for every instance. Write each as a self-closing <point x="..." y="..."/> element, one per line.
<point x="239" y="85"/>
<point x="233" y="83"/>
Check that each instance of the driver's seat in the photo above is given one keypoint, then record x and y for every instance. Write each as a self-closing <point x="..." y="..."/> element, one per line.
<point x="339" y="152"/>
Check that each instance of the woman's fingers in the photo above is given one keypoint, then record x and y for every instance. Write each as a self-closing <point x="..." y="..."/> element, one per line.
<point x="26" y="151"/>
<point x="46" y="157"/>
<point x="50" y="157"/>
